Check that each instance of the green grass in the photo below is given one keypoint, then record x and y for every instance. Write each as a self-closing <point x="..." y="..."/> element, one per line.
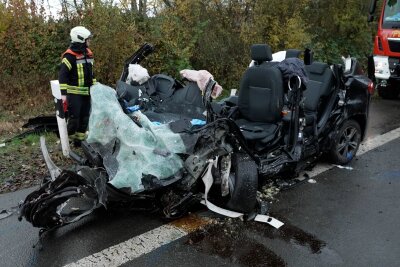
<point x="30" y="140"/>
<point x="22" y="164"/>
<point x="21" y="155"/>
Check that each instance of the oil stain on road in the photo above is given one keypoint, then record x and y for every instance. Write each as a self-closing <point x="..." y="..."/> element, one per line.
<point x="240" y="242"/>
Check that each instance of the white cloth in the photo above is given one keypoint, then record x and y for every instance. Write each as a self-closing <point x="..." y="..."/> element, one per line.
<point x="137" y="74"/>
<point x="276" y="57"/>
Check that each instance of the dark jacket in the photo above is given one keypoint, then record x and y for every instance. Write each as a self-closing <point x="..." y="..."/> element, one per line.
<point x="76" y="71"/>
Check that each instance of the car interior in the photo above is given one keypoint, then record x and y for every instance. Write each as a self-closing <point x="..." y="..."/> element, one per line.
<point x="262" y="96"/>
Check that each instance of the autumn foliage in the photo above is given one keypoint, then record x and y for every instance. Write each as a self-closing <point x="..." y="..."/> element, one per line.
<point x="199" y="34"/>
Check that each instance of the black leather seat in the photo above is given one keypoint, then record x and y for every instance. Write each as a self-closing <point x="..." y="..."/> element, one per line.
<point x="319" y="88"/>
<point x="261" y="53"/>
<point x="260" y="99"/>
<point x="290" y="53"/>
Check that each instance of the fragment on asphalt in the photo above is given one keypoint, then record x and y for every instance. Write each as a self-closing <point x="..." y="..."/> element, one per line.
<point x="270" y="220"/>
<point x="5" y="213"/>
<point x="312" y="181"/>
<point x="344" y="167"/>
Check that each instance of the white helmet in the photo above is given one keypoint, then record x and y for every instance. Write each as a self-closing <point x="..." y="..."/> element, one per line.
<point x="79" y="34"/>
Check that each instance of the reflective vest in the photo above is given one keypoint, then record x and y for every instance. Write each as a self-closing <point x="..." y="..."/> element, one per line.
<point x="76" y="72"/>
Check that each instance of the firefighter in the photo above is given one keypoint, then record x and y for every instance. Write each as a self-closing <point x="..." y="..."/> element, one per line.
<point x="75" y="78"/>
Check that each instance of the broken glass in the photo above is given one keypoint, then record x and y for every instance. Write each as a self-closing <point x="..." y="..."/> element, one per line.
<point x="134" y="149"/>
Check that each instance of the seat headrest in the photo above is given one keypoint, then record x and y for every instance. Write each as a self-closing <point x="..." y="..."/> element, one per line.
<point x="261" y="52"/>
<point x="317" y="67"/>
<point x="293" y="53"/>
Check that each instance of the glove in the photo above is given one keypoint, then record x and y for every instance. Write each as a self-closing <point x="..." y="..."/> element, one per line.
<point x="64" y="103"/>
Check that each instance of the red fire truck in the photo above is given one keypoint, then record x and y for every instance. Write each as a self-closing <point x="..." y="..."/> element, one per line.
<point x="386" y="56"/>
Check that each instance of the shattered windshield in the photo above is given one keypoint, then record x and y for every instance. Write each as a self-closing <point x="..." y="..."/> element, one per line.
<point x="391" y="17"/>
<point x="132" y="154"/>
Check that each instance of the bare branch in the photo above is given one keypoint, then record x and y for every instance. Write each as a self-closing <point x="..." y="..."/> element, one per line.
<point x="167" y="3"/>
<point x="134" y="6"/>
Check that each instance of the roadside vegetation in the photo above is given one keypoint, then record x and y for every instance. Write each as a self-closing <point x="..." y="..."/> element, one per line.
<point x="22" y="164"/>
<point x="200" y="34"/>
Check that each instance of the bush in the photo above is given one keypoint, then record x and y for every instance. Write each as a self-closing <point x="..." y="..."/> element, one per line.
<point x="212" y="35"/>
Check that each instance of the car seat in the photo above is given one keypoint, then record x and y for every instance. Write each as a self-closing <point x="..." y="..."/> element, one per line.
<point x="290" y="53"/>
<point x="261" y="54"/>
<point x="319" y="89"/>
<point x="260" y="99"/>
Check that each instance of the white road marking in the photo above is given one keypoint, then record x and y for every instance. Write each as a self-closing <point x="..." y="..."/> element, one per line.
<point x="378" y="141"/>
<point x="133" y="248"/>
<point x="165" y="234"/>
<point x="366" y="146"/>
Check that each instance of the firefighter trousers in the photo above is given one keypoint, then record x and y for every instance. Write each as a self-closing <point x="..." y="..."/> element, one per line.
<point x="78" y="115"/>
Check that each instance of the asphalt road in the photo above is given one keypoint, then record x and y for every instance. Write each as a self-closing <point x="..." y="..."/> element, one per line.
<point x="347" y="218"/>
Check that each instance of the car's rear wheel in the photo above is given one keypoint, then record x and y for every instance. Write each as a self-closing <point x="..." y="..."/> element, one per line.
<point x="346" y="142"/>
<point x="243" y="184"/>
<point x="388" y="92"/>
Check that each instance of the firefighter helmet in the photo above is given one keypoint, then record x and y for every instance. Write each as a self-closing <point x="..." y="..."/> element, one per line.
<point x="79" y="34"/>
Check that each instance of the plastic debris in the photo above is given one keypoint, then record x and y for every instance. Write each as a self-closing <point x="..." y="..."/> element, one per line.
<point x="3" y="145"/>
<point x="344" y="167"/>
<point x="133" y="108"/>
<point x="5" y="213"/>
<point x="312" y="181"/>
<point x="197" y="122"/>
<point x="53" y="169"/>
<point x="208" y="181"/>
<point x="270" y="220"/>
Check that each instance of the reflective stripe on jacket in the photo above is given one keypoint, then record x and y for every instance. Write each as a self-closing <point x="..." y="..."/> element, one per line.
<point x="76" y="72"/>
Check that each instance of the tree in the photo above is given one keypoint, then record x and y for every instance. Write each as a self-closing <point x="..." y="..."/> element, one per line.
<point x="339" y="28"/>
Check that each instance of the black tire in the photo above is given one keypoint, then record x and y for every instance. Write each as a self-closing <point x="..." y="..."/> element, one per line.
<point x="244" y="196"/>
<point x="388" y="92"/>
<point x="346" y="142"/>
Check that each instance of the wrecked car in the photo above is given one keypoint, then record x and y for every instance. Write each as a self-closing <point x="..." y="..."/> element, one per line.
<point x="166" y="145"/>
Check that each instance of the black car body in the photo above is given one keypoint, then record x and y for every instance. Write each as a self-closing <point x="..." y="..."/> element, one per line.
<point x="277" y="126"/>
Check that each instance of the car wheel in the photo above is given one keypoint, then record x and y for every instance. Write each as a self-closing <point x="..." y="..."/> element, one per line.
<point x="243" y="184"/>
<point x="346" y="142"/>
<point x="388" y="92"/>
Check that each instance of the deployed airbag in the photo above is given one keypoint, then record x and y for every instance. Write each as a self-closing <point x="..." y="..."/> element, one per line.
<point x="135" y="151"/>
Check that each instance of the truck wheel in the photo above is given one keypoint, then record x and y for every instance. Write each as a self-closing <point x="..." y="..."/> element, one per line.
<point x="346" y="142"/>
<point x="388" y="92"/>
<point x="243" y="196"/>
